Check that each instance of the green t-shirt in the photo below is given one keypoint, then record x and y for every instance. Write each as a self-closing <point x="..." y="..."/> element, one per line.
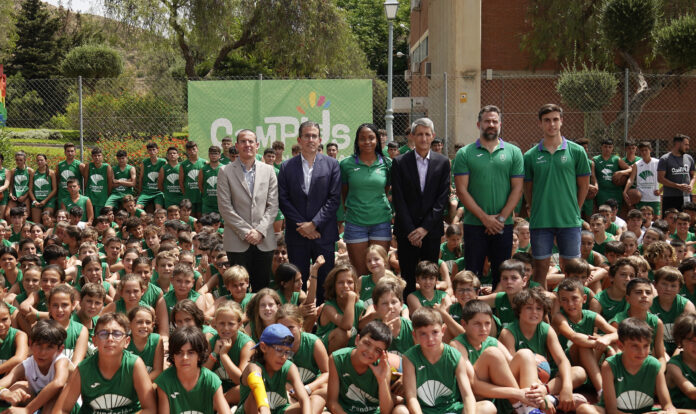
<point x="668" y="317"/>
<point x="115" y="395"/>
<point x="191" y="169"/>
<point x="634" y="393"/>
<point x="404" y="340"/>
<point x="429" y="303"/>
<point x="198" y="400"/>
<point x="503" y="308"/>
<point x="234" y="353"/>
<point x="489" y="176"/>
<point x="678" y="398"/>
<point x="610" y="307"/>
<point x="473" y="353"/>
<point x="537" y="343"/>
<point x="689" y="237"/>
<point x="358" y="393"/>
<point x="81" y="202"/>
<point x="172" y="191"/>
<point x="650" y="319"/>
<point x="605" y="169"/>
<point x="7" y="347"/>
<point x="436" y="385"/>
<point x="97" y="184"/>
<point x="275" y="389"/>
<point x="585" y="326"/>
<point x="151" y="175"/>
<point x="555" y="190"/>
<point x="323" y="331"/>
<point x="367" y="285"/>
<point x="124" y="174"/>
<point x="304" y="358"/>
<point x="366" y="202"/>
<point x="147" y="354"/>
<point x="404" y="149"/>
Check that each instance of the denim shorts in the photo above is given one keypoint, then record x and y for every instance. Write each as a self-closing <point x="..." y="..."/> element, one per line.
<point x="567" y="239"/>
<point x="353" y="233"/>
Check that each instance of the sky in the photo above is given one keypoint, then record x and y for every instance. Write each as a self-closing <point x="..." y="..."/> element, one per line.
<point x="83" y="6"/>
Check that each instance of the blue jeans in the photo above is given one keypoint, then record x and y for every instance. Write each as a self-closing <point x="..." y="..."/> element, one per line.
<point x="567" y="239"/>
<point x="478" y="245"/>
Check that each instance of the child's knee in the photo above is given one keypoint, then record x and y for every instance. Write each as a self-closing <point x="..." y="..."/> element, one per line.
<point x="485" y="407"/>
<point x="401" y="409"/>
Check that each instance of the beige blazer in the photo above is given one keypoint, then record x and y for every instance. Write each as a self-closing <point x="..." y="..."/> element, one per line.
<point x="241" y="211"/>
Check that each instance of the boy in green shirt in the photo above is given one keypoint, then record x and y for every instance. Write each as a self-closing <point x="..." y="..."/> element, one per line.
<point x="149" y="178"/>
<point x="632" y="378"/>
<point x="122" y="179"/>
<point x="207" y="181"/>
<point x="188" y="177"/>
<point x="168" y="179"/>
<point x="97" y="176"/>
<point x="612" y="300"/>
<point x="69" y="168"/>
<point x="668" y="305"/>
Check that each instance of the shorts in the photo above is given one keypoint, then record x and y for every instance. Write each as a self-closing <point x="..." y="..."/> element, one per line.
<point x="50" y="203"/>
<point x="361" y="234"/>
<point x="114" y="200"/>
<point x="145" y="199"/>
<point x="210" y="208"/>
<point x="567" y="238"/>
<point x="196" y="207"/>
<point x="656" y="206"/>
<point x="5" y="198"/>
<point x="172" y="200"/>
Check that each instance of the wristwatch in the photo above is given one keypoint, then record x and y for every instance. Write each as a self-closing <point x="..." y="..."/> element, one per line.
<point x="501" y="219"/>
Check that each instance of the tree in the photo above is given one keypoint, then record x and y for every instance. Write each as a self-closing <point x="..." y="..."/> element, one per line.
<point x="634" y="34"/>
<point x="92" y="61"/>
<point x="7" y="34"/>
<point x="36" y="50"/>
<point x="295" y="37"/>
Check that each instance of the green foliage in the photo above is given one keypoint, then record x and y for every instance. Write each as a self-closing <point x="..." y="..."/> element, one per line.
<point x="92" y="61"/>
<point x="36" y="51"/>
<point x="113" y="114"/>
<point x="587" y="90"/>
<point x="135" y="147"/>
<point x="626" y="24"/>
<point x="7" y="34"/>
<point x="6" y="146"/>
<point x="677" y="42"/>
<point x="24" y="110"/>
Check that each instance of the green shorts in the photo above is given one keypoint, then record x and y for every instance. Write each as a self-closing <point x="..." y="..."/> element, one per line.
<point x="210" y="208"/>
<point x="196" y="207"/>
<point x="656" y="206"/>
<point x="50" y="203"/>
<point x="114" y="200"/>
<point x="145" y="199"/>
<point x="172" y="199"/>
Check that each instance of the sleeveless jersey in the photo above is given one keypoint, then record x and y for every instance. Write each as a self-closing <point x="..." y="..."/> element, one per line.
<point x="198" y="400"/>
<point x="357" y="393"/>
<point x="294" y="299"/>
<point x="66" y="171"/>
<point x="81" y="202"/>
<point x="115" y="395"/>
<point x="604" y="169"/>
<point x="585" y="326"/>
<point x="151" y="295"/>
<point x="8" y="348"/>
<point x="323" y="331"/>
<point x="20" y="184"/>
<point x="472" y="352"/>
<point x="455" y="311"/>
<point x="172" y="192"/>
<point x="537" y="343"/>
<point x="610" y="307"/>
<point x="210" y="175"/>
<point x="234" y="353"/>
<point x="151" y="175"/>
<point x="650" y="319"/>
<point x="634" y="393"/>
<point x="74" y="330"/>
<point x="366" y="287"/>
<point x="6" y="193"/>
<point x="122" y="175"/>
<point x="191" y="170"/>
<point x="148" y="352"/>
<point x="275" y="389"/>
<point x="436" y="386"/>
<point x="304" y="358"/>
<point x="429" y="303"/>
<point x="646" y="179"/>
<point x="97" y="184"/>
<point x="678" y="398"/>
<point x="38" y="381"/>
<point x="503" y="308"/>
<point x="42" y="185"/>
<point x="668" y="318"/>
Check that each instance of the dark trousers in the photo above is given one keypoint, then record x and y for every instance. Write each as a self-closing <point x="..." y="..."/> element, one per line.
<point x="257" y="263"/>
<point x="672" y="202"/>
<point x="301" y="252"/>
<point x="478" y="245"/>
<point x="410" y="255"/>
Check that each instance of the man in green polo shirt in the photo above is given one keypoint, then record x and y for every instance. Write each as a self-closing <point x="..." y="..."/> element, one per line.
<point x="557" y="176"/>
<point x="488" y="176"/>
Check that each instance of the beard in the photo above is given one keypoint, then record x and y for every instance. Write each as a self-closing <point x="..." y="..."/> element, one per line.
<point x="489" y="134"/>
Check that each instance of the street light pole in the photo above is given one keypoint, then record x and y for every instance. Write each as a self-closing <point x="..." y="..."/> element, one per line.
<point x="390" y="8"/>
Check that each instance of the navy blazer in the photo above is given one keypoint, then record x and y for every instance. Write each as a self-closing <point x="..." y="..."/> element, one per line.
<point x="319" y="206"/>
<point x="414" y="208"/>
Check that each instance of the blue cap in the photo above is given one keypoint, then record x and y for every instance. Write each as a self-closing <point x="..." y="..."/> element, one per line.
<point x="276" y="334"/>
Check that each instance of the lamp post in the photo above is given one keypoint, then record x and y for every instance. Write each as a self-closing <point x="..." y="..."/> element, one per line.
<point x="390" y="8"/>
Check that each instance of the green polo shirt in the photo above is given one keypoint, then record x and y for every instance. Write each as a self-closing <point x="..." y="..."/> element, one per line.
<point x="555" y="190"/>
<point x="489" y="175"/>
<point x="366" y="202"/>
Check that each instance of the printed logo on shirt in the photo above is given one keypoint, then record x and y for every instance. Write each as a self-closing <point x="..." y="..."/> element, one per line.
<point x="620" y="379"/>
<point x="502" y="157"/>
<point x="479" y="155"/>
<point x="564" y="158"/>
<point x="421" y="367"/>
<point x="174" y="394"/>
<point x="95" y="385"/>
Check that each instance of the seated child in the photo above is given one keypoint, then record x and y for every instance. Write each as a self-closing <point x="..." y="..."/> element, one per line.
<point x="668" y="305"/>
<point x="376" y="261"/>
<point x="512" y="282"/>
<point x="428" y="381"/>
<point x="261" y="312"/>
<point x="613" y="299"/>
<point x="236" y="280"/>
<point x="681" y="368"/>
<point x="632" y="378"/>
<point x="427" y="295"/>
<point x="185" y="386"/>
<point x="144" y="342"/>
<point x="186" y="313"/>
<point x="91" y="304"/>
<point x="289" y="284"/>
<point x="110" y="374"/>
<point x="387" y="303"/>
<point x="13" y="342"/>
<point x="45" y="372"/>
<point x="265" y="379"/>
<point x="183" y="283"/>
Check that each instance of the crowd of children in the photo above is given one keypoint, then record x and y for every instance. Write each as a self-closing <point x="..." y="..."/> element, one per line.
<point x="118" y="297"/>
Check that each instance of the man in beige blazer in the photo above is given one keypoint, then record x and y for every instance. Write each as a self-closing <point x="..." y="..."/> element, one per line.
<point x="248" y="202"/>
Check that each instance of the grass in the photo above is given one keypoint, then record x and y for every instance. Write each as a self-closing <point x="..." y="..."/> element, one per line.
<point x="38" y="141"/>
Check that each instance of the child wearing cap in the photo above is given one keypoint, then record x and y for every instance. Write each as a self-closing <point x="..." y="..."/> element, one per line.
<point x="271" y="365"/>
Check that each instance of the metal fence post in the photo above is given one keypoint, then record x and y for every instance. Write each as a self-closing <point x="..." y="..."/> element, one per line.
<point x="626" y="85"/>
<point x="82" y="129"/>
<point x="446" y="110"/>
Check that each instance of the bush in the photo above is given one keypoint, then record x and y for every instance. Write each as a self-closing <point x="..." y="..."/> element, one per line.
<point x="588" y="90"/>
<point x="677" y="42"/>
<point x="628" y="23"/>
<point x="92" y="61"/>
<point x="6" y="147"/>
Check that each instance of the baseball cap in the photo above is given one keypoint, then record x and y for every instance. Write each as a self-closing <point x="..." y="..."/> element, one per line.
<point x="276" y="334"/>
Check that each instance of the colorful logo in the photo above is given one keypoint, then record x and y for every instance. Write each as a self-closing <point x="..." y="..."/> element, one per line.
<point x="312" y="102"/>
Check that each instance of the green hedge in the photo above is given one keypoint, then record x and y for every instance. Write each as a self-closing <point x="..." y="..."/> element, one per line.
<point x="48" y="135"/>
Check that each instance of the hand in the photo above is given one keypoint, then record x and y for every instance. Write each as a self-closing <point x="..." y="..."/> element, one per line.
<point x="382" y="371"/>
<point x="253" y="237"/>
<point x="626" y="198"/>
<point x="225" y="345"/>
<point x="318" y="262"/>
<point x="565" y="400"/>
<point x="493" y="226"/>
<point x="655" y="192"/>
<point x="308" y="230"/>
<point x="601" y="343"/>
<point x="416" y="236"/>
<point x="308" y="310"/>
<point x="15" y="397"/>
<point x="397" y="388"/>
<point x="684" y="187"/>
<point x="532" y="396"/>
<point x="351" y="296"/>
<point x="16" y="410"/>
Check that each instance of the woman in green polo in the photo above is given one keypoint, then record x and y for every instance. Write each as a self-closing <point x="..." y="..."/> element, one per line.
<point x="365" y="178"/>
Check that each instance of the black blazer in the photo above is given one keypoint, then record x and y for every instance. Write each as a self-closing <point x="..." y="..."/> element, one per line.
<point x="414" y="208"/>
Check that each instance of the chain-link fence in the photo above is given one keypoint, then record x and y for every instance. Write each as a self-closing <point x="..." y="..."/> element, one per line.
<point x="143" y="107"/>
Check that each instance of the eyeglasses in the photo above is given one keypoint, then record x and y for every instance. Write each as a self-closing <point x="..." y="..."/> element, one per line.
<point x="281" y="350"/>
<point x="117" y="335"/>
<point x="224" y="264"/>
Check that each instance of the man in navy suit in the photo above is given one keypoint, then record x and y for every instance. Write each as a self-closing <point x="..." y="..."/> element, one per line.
<point x="309" y="192"/>
<point x="420" y="193"/>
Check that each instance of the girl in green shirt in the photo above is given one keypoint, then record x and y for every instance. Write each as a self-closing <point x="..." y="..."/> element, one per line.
<point x="375" y="259"/>
<point x="111" y="379"/>
<point x="20" y="179"/>
<point x="43" y="189"/>
<point x="289" y="282"/>
<point x="60" y="302"/>
<point x="261" y="312"/>
<point x="187" y="386"/>
<point x="269" y="372"/>
<point x="186" y="313"/>
<point x="13" y="348"/>
<point x="310" y="357"/>
<point x="144" y="342"/>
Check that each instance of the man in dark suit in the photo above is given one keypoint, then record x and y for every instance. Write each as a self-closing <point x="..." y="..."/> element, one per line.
<point x="309" y="192"/>
<point x="420" y="193"/>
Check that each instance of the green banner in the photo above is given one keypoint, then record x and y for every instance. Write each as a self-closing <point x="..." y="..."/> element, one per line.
<point x="274" y="109"/>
